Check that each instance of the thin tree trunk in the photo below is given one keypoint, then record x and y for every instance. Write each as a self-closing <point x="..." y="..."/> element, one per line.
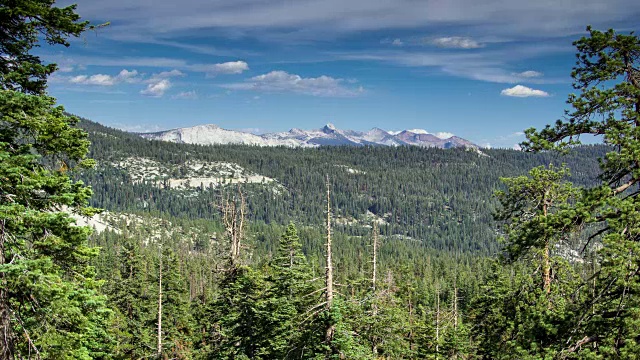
<point x="455" y="308"/>
<point x="374" y="306"/>
<point x="6" y="336"/>
<point x="375" y="256"/>
<point x="160" y="307"/>
<point x="329" y="269"/>
<point x="546" y="259"/>
<point x="411" y="343"/>
<point x="437" y="323"/>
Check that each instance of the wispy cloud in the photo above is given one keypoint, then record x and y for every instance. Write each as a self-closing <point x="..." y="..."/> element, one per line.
<point x="523" y="91"/>
<point x="394" y="42"/>
<point x="269" y="17"/>
<point x="490" y="65"/>
<point x="168" y="74"/>
<point x="529" y="74"/>
<point x="456" y="42"/>
<point x="189" y="95"/>
<point x="284" y="82"/>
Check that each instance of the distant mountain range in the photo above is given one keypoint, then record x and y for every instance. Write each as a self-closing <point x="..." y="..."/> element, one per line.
<point x="328" y="135"/>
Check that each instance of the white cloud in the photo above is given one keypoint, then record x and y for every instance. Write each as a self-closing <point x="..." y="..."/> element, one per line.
<point x="397" y="42"/>
<point x="106" y="80"/>
<point x="282" y="82"/>
<point x="227" y="68"/>
<point x="456" y="42"/>
<point x="128" y="76"/>
<point x="157" y="88"/>
<point x="186" y="95"/>
<point x="97" y="79"/>
<point x="529" y="74"/>
<point x="523" y="91"/>
<point x="233" y="67"/>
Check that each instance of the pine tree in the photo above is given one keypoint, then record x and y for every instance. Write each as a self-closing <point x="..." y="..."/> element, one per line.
<point x="526" y="307"/>
<point x="176" y="317"/>
<point x="49" y="301"/>
<point x="289" y="298"/>
<point x="43" y="256"/>
<point x="131" y="299"/>
<point x="607" y="77"/>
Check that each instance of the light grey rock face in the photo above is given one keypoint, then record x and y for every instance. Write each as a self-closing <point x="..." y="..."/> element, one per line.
<point x="327" y="135"/>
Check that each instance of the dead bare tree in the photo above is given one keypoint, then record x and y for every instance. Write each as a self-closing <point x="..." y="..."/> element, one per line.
<point x="374" y="305"/>
<point x="329" y="269"/>
<point x="160" y="304"/>
<point x="233" y="214"/>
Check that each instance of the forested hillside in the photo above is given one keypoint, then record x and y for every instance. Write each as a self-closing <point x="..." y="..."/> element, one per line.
<point x="116" y="247"/>
<point x="441" y="198"/>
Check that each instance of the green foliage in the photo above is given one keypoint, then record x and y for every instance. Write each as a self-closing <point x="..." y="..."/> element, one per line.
<point x="50" y="302"/>
<point x="528" y="206"/>
<point x="608" y="105"/>
<point x="44" y="257"/>
<point x="24" y="23"/>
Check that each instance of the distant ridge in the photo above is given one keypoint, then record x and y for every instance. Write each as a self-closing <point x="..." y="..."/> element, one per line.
<point x="326" y="136"/>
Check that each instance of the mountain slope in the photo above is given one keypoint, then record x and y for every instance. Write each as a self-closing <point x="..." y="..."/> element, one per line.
<point x="328" y="135"/>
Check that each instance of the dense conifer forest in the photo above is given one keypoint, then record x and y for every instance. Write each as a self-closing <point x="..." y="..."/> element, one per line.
<point x="238" y="252"/>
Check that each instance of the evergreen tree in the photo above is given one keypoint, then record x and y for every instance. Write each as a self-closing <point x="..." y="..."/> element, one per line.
<point x="132" y="302"/>
<point x="22" y="23"/>
<point x="607" y="77"/>
<point x="526" y="313"/>
<point x="176" y="317"/>
<point x="49" y="300"/>
<point x="290" y="298"/>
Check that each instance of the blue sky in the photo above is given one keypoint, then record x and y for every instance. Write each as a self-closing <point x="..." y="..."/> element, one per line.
<point x="483" y="70"/>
